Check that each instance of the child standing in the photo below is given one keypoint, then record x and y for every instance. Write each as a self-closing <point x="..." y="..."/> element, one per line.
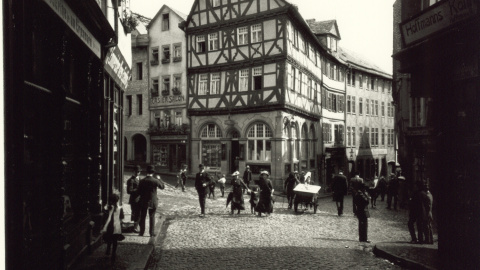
<point x="211" y="188"/>
<point x="253" y="199"/>
<point x="222" y="182"/>
<point x="112" y="231"/>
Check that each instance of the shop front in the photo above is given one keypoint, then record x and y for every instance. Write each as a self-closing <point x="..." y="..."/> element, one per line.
<point x="169" y="153"/>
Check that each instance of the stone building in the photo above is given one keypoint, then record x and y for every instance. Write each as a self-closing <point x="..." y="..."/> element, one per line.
<point x="436" y="95"/>
<point x="168" y="128"/>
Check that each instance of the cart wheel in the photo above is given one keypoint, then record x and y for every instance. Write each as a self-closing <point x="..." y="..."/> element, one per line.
<point x="315" y="208"/>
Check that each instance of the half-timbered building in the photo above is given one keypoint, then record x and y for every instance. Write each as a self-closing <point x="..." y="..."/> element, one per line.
<point x="254" y="87"/>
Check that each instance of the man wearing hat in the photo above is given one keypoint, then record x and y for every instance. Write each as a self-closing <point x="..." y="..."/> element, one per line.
<point x="202" y="181"/>
<point x="340" y="188"/>
<point x="132" y="185"/>
<point x="147" y="190"/>
<point x="361" y="201"/>
<point x="247" y="177"/>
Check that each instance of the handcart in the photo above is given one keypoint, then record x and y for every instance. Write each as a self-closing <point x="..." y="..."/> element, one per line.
<point x="306" y="195"/>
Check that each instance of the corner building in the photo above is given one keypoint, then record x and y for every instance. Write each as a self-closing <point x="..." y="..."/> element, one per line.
<point x="254" y="88"/>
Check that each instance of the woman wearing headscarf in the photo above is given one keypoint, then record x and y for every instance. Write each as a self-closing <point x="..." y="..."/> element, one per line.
<point x="237" y="198"/>
<point x="265" y="204"/>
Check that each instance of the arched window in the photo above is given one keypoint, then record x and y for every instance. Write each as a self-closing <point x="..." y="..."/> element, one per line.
<point x="259" y="145"/>
<point x="286" y="143"/>
<point x="211" y="152"/>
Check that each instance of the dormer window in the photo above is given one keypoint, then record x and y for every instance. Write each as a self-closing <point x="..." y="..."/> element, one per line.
<point x="332" y="43"/>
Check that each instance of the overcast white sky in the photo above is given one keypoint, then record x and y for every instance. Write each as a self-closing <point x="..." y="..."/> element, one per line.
<point x="365" y="25"/>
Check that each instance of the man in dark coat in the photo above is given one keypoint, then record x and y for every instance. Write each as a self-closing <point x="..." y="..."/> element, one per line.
<point x="202" y="181"/>
<point x="415" y="214"/>
<point x="132" y="186"/>
<point x="247" y="177"/>
<point x="339" y="188"/>
<point x="288" y="186"/>
<point x="361" y="201"/>
<point x="147" y="190"/>
<point x="392" y="192"/>
<point x="427" y="215"/>
<point x="355" y="183"/>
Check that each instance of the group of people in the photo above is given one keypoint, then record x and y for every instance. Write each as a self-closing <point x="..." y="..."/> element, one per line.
<point x="262" y="203"/>
<point x="143" y="199"/>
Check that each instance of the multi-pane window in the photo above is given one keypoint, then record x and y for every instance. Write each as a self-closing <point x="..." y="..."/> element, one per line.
<point x="367" y="137"/>
<point x="243" y="82"/>
<point x="215" y="83"/>
<point x="333" y="68"/>
<point x="259" y="144"/>
<point x="166" y="83"/>
<point x="155" y="54"/>
<point x="300" y="80"/>
<point x="376" y="107"/>
<point x="367" y="104"/>
<point x="360" y="106"/>
<point x="211" y="131"/>
<point x="349" y="136"/>
<point x="140" y="71"/>
<point x="353" y="104"/>
<point x="360" y="137"/>
<point x="129" y="105"/>
<point x="211" y="151"/>
<point x="213" y="41"/>
<point x="177" y="50"/>
<point x="257" y="78"/>
<point x="382" y="135"/>
<point x="383" y="108"/>
<point x="177" y="82"/>
<point x="349" y="104"/>
<point x="178" y="118"/>
<point x="353" y="77"/>
<point x="155" y="89"/>
<point x="256" y="33"/>
<point x="372" y="107"/>
<point x="242" y="35"/>
<point x="165" y="22"/>
<point x="139" y="104"/>
<point x="327" y="132"/>
<point x="310" y="88"/>
<point x="203" y="84"/>
<point x="349" y="77"/>
<point x="292" y="79"/>
<point x="201" y="43"/>
<point x="339" y="133"/>
<point x="372" y="83"/>
<point x="360" y="81"/>
<point x="166" y="53"/>
<point x="167" y="118"/>
<point x="376" y="136"/>
<point x="354" y="138"/>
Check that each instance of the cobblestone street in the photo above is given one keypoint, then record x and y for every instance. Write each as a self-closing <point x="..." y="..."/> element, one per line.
<point x="284" y="240"/>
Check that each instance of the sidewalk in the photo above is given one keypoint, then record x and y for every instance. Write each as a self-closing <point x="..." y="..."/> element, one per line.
<point x="133" y="252"/>
<point x="410" y="256"/>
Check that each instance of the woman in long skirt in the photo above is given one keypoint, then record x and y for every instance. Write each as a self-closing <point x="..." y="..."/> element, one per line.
<point x="265" y="203"/>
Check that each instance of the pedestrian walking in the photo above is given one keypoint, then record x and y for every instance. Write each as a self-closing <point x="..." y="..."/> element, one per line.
<point x="290" y="183"/>
<point x="265" y="203"/>
<point x="340" y="189"/>
<point x="361" y="201"/>
<point x="132" y="186"/>
<point x="427" y="215"/>
<point x="202" y="180"/>
<point x="402" y="191"/>
<point x="147" y="190"/>
<point x="182" y="177"/>
<point x="112" y="231"/>
<point x="392" y="192"/>
<point x="415" y="214"/>
<point x="221" y="183"/>
<point x="238" y="185"/>
<point x="373" y="191"/>
<point x="382" y="187"/>
<point x="355" y="183"/>
<point x="211" y="189"/>
<point x="247" y="177"/>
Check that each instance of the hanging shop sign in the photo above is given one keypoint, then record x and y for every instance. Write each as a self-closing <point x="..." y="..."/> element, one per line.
<point x="117" y="67"/>
<point x="436" y="18"/>
<point x="67" y="15"/>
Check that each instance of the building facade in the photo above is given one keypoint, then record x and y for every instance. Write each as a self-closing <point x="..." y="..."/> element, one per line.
<point x="168" y="128"/>
<point x="137" y="97"/>
<point x="67" y="64"/>
<point x="436" y="93"/>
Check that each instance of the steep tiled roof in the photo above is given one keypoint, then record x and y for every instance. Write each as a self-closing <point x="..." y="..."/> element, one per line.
<point x="179" y="14"/>
<point x="323" y="27"/>
<point x="359" y="62"/>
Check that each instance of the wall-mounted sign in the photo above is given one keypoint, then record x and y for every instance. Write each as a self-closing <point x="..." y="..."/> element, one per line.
<point x="167" y="99"/>
<point x="67" y="15"/>
<point x="117" y="67"/>
<point x="436" y="18"/>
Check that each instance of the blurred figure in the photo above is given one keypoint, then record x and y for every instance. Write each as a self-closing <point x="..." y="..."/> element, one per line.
<point x="238" y="185"/>
<point x="221" y="182"/>
<point x="340" y="189"/>
<point x="247" y="177"/>
<point x="427" y="215"/>
<point x="382" y="187"/>
<point x="392" y="192"/>
<point x="361" y="201"/>
<point x="415" y="214"/>
<point x="147" y="189"/>
<point x="288" y="186"/>
<point x="265" y="203"/>
<point x="202" y="181"/>
<point x="182" y="177"/>
<point x="132" y="186"/>
<point x="355" y="183"/>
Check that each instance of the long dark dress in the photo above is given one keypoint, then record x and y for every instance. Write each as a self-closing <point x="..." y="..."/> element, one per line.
<point x="238" y="202"/>
<point x="265" y="204"/>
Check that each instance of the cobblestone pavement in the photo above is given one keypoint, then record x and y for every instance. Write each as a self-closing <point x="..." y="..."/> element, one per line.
<point x="284" y="240"/>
